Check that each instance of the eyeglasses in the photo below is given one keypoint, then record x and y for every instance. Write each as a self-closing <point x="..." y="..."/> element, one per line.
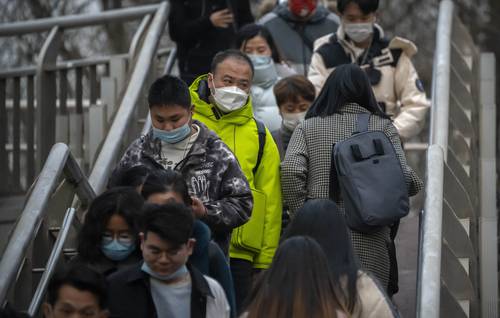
<point x="122" y="238"/>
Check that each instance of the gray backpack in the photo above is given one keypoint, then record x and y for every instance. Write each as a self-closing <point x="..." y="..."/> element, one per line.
<point x="370" y="179"/>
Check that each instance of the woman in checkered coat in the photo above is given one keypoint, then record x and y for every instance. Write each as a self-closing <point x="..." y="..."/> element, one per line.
<point x="305" y="171"/>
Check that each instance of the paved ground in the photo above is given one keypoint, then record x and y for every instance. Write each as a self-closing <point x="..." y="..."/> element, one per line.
<point x="407" y="252"/>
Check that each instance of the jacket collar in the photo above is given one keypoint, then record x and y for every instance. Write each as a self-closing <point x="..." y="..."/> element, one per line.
<point x="353" y="108"/>
<point x="200" y="288"/>
<point x="199" y="283"/>
<point x="199" y="96"/>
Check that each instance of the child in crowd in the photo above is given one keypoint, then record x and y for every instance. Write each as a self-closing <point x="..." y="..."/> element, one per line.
<point x="294" y="95"/>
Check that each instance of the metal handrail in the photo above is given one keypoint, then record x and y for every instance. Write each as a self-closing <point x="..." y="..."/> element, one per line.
<point x="77" y="20"/>
<point x="169" y="65"/>
<point x="429" y="265"/>
<point x="441" y="77"/>
<point x="429" y="271"/>
<point x="51" y="263"/>
<point x="111" y="147"/>
<point x="58" y="162"/>
<point x="453" y="249"/>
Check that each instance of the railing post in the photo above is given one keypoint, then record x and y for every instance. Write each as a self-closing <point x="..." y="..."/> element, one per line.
<point x="138" y="38"/>
<point x="441" y="77"/>
<point x="429" y="269"/>
<point x="46" y="97"/>
<point x="110" y="149"/>
<point x="487" y="187"/>
<point x="4" y="130"/>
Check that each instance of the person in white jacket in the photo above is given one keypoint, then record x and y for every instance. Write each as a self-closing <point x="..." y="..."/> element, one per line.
<point x="394" y="79"/>
<point x="256" y="41"/>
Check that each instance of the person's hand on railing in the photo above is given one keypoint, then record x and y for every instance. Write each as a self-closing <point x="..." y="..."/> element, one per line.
<point x="222" y="18"/>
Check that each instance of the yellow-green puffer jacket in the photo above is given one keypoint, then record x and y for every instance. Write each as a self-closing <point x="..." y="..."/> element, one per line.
<point x="239" y="131"/>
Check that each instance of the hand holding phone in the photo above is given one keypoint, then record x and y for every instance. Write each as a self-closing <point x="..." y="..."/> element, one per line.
<point x="222" y="18"/>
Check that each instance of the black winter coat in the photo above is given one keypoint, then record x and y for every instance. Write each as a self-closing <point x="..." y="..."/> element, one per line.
<point x="197" y="39"/>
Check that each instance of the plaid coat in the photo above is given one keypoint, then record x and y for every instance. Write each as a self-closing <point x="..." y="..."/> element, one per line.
<point x="305" y="174"/>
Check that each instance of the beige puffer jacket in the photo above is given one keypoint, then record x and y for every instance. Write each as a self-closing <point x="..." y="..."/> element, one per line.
<point x="399" y="87"/>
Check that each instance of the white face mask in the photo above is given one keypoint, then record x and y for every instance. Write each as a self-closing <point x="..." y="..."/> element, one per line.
<point x="358" y="32"/>
<point x="229" y="98"/>
<point x="291" y="120"/>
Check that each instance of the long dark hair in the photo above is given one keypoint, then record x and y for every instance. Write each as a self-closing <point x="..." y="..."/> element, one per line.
<point x="321" y="220"/>
<point x="162" y="181"/>
<point x="298" y="284"/>
<point x="122" y="201"/>
<point x="348" y="83"/>
<point x="251" y="30"/>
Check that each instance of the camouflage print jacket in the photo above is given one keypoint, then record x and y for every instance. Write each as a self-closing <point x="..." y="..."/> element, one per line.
<point x="212" y="174"/>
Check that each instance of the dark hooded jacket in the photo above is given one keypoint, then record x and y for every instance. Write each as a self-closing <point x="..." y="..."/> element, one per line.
<point x="295" y="38"/>
<point x="212" y="174"/>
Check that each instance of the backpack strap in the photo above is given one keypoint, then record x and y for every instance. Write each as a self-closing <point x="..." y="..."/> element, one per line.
<point x="261" y="130"/>
<point x="362" y="123"/>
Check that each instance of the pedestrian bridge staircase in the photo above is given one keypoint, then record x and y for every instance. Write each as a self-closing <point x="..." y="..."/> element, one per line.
<point x="58" y="150"/>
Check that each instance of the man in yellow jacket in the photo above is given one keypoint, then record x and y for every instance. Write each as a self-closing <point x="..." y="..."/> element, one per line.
<point x="222" y="103"/>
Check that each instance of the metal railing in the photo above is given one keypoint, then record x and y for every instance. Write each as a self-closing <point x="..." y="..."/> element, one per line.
<point x="60" y="179"/>
<point x="137" y="84"/>
<point x="457" y="269"/>
<point x="32" y="256"/>
<point x="52" y="101"/>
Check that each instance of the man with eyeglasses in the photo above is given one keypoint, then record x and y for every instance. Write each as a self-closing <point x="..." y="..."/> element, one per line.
<point x="163" y="284"/>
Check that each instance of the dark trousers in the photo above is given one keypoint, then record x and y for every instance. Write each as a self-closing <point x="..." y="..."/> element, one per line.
<point x="242" y="272"/>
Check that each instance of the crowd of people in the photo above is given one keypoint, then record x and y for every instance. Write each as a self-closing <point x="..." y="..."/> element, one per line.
<point x="225" y="207"/>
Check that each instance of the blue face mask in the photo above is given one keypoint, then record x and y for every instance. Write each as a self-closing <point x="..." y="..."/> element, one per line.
<point x="177" y="274"/>
<point x="173" y="136"/>
<point x="264" y="69"/>
<point x="117" y="251"/>
<point x="260" y="60"/>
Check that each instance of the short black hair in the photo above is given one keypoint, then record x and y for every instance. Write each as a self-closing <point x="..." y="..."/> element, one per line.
<point x="128" y="176"/>
<point x="172" y="222"/>
<point x="82" y="278"/>
<point x="230" y="54"/>
<point x="169" y="90"/>
<point x="366" y="6"/>
<point x="161" y="181"/>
